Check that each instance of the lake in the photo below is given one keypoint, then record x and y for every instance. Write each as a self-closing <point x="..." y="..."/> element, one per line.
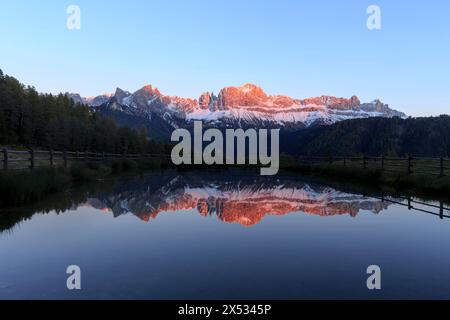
<point x="224" y="235"/>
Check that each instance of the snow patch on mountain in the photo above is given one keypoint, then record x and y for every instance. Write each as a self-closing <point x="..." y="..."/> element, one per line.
<point x="248" y="105"/>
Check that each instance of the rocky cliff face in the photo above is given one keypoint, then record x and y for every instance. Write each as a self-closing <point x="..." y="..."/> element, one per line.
<point x="245" y="106"/>
<point x="121" y="95"/>
<point x="334" y="103"/>
<point x="248" y="95"/>
<point x="76" y="98"/>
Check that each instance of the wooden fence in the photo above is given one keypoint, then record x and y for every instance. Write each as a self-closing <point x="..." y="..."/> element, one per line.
<point x="409" y="165"/>
<point x="22" y="159"/>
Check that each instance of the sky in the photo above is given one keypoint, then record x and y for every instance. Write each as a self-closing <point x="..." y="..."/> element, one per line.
<point x="293" y="47"/>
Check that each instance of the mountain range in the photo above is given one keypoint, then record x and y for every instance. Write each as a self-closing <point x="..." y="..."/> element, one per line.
<point x="247" y="106"/>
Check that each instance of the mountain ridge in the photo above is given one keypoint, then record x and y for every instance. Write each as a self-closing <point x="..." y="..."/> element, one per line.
<point x="243" y="107"/>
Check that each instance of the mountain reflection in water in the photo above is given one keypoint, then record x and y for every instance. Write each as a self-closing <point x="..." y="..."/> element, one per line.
<point x="233" y="199"/>
<point x="198" y="243"/>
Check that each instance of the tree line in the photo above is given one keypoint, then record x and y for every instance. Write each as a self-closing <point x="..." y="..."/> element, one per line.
<point x="424" y="136"/>
<point x="34" y="120"/>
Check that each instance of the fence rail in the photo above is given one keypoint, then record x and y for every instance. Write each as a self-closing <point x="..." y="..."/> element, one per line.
<point x="22" y="159"/>
<point x="409" y="165"/>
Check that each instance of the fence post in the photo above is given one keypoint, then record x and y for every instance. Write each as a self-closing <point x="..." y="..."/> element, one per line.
<point x="382" y="163"/>
<point x="441" y="169"/>
<point x="410" y="164"/>
<point x="65" y="158"/>
<point x="5" y="159"/>
<point x="31" y="158"/>
<point x="51" y="157"/>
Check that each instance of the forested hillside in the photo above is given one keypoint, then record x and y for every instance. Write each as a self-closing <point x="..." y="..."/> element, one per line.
<point x="373" y="136"/>
<point x="31" y="119"/>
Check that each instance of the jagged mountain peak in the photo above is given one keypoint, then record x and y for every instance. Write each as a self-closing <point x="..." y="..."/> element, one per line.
<point x="244" y="106"/>
<point x="121" y="95"/>
<point x="150" y="89"/>
<point x="120" y="91"/>
<point x="247" y="95"/>
<point x="249" y="87"/>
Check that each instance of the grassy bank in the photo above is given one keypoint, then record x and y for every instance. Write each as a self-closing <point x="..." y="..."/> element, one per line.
<point x="25" y="186"/>
<point x="421" y="183"/>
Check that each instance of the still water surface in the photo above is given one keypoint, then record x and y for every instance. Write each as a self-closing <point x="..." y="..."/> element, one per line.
<point x="222" y="235"/>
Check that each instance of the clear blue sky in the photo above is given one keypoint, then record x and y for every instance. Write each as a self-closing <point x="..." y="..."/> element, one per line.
<point x="299" y="48"/>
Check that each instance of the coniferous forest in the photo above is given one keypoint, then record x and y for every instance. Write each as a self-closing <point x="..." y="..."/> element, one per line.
<point x="34" y="120"/>
<point x="426" y="137"/>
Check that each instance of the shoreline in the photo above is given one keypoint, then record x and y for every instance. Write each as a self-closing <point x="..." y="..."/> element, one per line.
<point x="27" y="187"/>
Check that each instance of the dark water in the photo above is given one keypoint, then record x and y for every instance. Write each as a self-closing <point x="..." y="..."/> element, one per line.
<point x="223" y="235"/>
